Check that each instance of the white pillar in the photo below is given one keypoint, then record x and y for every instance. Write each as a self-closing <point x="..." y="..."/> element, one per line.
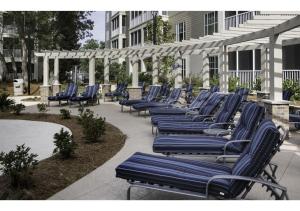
<point x="253" y="66"/>
<point x="36" y="68"/>
<point x="143" y="66"/>
<point x="155" y="66"/>
<point x="237" y="63"/>
<point x="56" y="71"/>
<point x="106" y="70"/>
<point x="223" y="69"/>
<point x="264" y="71"/>
<point x="46" y="71"/>
<point x="178" y="70"/>
<point x="135" y="73"/>
<point x="205" y="70"/>
<point x="92" y="71"/>
<point x="275" y="68"/>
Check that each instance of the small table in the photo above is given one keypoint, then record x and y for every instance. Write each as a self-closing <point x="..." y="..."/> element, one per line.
<point x="216" y="132"/>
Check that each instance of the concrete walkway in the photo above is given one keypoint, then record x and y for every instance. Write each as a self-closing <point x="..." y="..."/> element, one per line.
<point x="102" y="183"/>
<point x="36" y="135"/>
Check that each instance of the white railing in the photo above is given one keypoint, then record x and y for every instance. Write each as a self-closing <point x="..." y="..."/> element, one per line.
<point x="10" y="29"/>
<point x="115" y="32"/>
<point x="16" y="53"/>
<point x="144" y="17"/>
<point x="293" y="75"/>
<point x="234" y="21"/>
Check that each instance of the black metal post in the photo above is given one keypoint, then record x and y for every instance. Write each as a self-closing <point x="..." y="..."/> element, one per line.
<point x="154" y="30"/>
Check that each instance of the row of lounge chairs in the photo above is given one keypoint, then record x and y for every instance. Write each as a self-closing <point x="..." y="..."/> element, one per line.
<point x="253" y="142"/>
<point x="70" y="95"/>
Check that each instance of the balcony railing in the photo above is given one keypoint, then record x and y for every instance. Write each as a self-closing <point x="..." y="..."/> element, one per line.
<point x="234" y="21"/>
<point x="16" y="53"/>
<point x="10" y="29"/>
<point x="117" y="31"/>
<point x="144" y="17"/>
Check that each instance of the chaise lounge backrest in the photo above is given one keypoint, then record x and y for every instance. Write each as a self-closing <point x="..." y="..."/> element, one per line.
<point x="211" y="104"/>
<point x="214" y="89"/>
<point x="244" y="92"/>
<point x="228" y="109"/>
<point x="153" y="93"/>
<point x="72" y="91"/>
<point x="164" y="90"/>
<point x="256" y="155"/>
<point x="199" y="100"/>
<point x="174" y="95"/>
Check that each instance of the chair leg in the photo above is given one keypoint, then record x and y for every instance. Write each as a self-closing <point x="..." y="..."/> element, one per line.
<point x="152" y="130"/>
<point x="128" y="192"/>
<point x="48" y="103"/>
<point x="121" y="108"/>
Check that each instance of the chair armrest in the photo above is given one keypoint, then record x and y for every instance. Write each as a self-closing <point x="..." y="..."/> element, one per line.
<point x="201" y="117"/>
<point x="249" y="179"/>
<point x="234" y="141"/>
<point x="209" y="119"/>
<point x="220" y="123"/>
<point x="192" y="113"/>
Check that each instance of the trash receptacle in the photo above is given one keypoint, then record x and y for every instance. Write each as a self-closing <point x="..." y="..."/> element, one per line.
<point x="18" y="87"/>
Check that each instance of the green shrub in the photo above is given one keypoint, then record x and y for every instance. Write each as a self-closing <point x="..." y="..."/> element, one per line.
<point x="232" y="84"/>
<point x="42" y="107"/>
<point x="293" y="87"/>
<point x="5" y="103"/>
<point x="84" y="115"/>
<point x="18" y="166"/>
<point x="145" y="77"/>
<point x="64" y="143"/>
<point x="214" y="80"/>
<point x="257" y="84"/>
<point x="65" y="114"/>
<point x="17" y="108"/>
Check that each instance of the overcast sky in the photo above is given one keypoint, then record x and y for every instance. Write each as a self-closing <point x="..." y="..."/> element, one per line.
<point x="99" y="26"/>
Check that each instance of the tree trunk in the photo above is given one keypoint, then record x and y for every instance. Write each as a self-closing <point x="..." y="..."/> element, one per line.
<point x="24" y="59"/>
<point x="3" y="69"/>
<point x="13" y="64"/>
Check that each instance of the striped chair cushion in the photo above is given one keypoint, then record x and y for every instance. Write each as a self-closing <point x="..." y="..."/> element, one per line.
<point x="256" y="155"/>
<point x="182" y="127"/>
<point x="214" y="89"/>
<point x="211" y="104"/>
<point x="178" y="173"/>
<point x="192" y="144"/>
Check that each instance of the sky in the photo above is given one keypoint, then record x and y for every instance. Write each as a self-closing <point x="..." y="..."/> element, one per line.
<point x="99" y="26"/>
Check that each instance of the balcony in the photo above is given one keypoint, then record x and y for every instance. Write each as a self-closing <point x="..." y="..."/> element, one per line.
<point x="10" y="29"/>
<point x="234" y="21"/>
<point x="118" y="31"/>
<point x="16" y="52"/>
<point x="146" y="16"/>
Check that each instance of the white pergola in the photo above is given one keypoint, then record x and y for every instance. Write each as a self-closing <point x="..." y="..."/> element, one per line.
<point x="265" y="33"/>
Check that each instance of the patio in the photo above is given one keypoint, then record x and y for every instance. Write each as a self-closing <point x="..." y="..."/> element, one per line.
<point x="102" y="183"/>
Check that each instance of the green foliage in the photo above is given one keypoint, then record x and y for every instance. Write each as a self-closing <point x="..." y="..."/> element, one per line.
<point x="18" y="166"/>
<point x="17" y="108"/>
<point x="214" y="81"/>
<point x="145" y="77"/>
<point x="163" y="31"/>
<point x="42" y="108"/>
<point x="93" y="127"/>
<point x="118" y="73"/>
<point x="196" y="80"/>
<point x="65" y="114"/>
<point x="5" y="103"/>
<point x="64" y="143"/>
<point x="166" y="69"/>
<point x="257" y="84"/>
<point x="232" y="83"/>
<point x="293" y="87"/>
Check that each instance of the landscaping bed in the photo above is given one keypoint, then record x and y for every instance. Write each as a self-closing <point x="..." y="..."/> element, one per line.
<point x="54" y="173"/>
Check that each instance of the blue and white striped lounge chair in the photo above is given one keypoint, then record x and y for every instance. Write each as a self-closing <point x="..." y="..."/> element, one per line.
<point x="195" y="105"/>
<point x="207" y="109"/>
<point x="206" y="145"/>
<point x="286" y="95"/>
<point x="189" y="93"/>
<point x="170" y="100"/>
<point x="70" y="91"/>
<point x="90" y="94"/>
<point x="243" y="92"/>
<point x="214" y="89"/>
<point x="295" y="119"/>
<point x="209" y="179"/>
<point x="150" y="96"/>
<point x="222" y="119"/>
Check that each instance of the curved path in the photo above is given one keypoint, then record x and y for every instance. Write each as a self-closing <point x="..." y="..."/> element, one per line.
<point x="102" y="183"/>
<point x="36" y="135"/>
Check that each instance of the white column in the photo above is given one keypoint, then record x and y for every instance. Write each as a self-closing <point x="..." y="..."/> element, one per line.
<point x="178" y="70"/>
<point x="253" y="66"/>
<point x="120" y="25"/>
<point x="275" y="68"/>
<point x="92" y="71"/>
<point x="205" y="70"/>
<point x="46" y="71"/>
<point x="106" y="70"/>
<point x="264" y="71"/>
<point x="237" y="63"/>
<point x="36" y="68"/>
<point x="223" y="68"/>
<point x="56" y="71"/>
<point x="143" y="66"/>
<point x="135" y="73"/>
<point x="155" y="66"/>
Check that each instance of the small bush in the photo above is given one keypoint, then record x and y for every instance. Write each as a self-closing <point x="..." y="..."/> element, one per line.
<point x="64" y="143"/>
<point x="257" y="84"/>
<point x="65" y="114"/>
<point x="17" y="108"/>
<point x="5" y="103"/>
<point x="85" y="115"/>
<point x="18" y="166"/>
<point x="94" y="129"/>
<point x="42" y="108"/>
<point x="232" y="84"/>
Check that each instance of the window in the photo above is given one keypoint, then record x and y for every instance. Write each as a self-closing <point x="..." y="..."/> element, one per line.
<point x="164" y="12"/>
<point x="136" y="37"/>
<point x="180" y="32"/>
<point x="124" y="43"/>
<point x="115" y="43"/>
<point x="210" y="23"/>
<point x="213" y="66"/>
<point x="183" y="69"/>
<point x="145" y="34"/>
<point x="115" y="23"/>
<point x="123" y="20"/>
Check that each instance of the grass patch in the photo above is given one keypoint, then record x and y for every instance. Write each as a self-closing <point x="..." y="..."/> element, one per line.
<point x="54" y="174"/>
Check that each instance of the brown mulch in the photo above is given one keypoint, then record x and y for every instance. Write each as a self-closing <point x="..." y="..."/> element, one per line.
<point x="54" y="174"/>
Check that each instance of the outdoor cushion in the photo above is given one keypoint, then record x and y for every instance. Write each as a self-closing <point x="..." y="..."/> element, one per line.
<point x="69" y="92"/>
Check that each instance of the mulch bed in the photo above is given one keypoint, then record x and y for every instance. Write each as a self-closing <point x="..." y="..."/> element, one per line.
<point x="54" y="174"/>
